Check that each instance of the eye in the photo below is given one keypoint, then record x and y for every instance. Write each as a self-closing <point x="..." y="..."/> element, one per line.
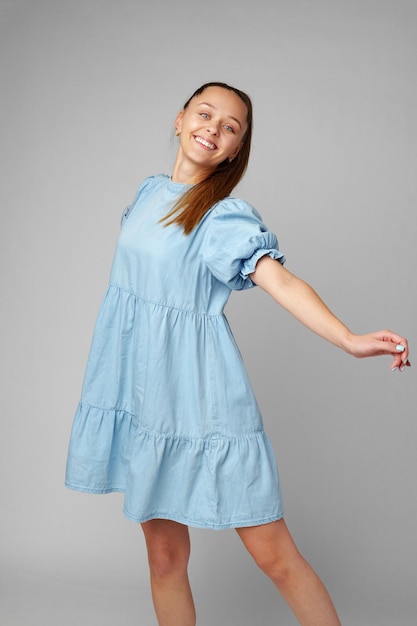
<point x="229" y="128"/>
<point x="205" y="115"/>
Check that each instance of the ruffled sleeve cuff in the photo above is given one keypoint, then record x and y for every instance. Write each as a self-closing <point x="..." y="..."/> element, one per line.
<point x="249" y="265"/>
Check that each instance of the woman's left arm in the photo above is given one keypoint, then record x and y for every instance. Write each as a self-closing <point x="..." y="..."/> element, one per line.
<point x="299" y="299"/>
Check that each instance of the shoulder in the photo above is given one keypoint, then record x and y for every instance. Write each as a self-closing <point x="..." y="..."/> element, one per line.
<point x="153" y="182"/>
<point x="233" y="210"/>
<point x="230" y="204"/>
<point x="149" y="186"/>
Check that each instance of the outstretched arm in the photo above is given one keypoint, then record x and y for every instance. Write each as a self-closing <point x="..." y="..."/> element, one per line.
<point x="299" y="299"/>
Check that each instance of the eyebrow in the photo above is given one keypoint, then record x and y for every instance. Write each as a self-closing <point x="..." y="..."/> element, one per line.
<point x="207" y="104"/>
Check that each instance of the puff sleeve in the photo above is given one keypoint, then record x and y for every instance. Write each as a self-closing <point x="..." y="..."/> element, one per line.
<point x="145" y="184"/>
<point x="236" y="238"/>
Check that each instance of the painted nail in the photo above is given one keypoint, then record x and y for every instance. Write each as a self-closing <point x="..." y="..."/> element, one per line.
<point x="400" y="348"/>
<point x="394" y="369"/>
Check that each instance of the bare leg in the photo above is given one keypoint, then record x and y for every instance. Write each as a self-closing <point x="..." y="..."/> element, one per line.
<point x="168" y="545"/>
<point x="275" y="552"/>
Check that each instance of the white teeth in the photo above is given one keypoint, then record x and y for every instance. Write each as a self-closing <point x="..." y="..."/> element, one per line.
<point x="209" y="145"/>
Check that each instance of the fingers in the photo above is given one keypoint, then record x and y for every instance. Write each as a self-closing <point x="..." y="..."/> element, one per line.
<point x="401" y="367"/>
<point x="395" y="345"/>
<point x="401" y="361"/>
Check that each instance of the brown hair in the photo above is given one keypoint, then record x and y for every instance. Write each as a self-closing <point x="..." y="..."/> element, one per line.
<point x="191" y="207"/>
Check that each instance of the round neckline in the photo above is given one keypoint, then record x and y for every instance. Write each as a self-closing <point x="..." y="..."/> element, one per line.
<point x="173" y="186"/>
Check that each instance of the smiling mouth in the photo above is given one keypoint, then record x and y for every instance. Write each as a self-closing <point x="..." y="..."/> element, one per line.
<point x="205" y="143"/>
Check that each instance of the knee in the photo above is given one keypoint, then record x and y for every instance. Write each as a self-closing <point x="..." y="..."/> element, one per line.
<point x="167" y="560"/>
<point x="279" y="567"/>
<point x="276" y="568"/>
<point x="273" y="550"/>
<point x="168" y="545"/>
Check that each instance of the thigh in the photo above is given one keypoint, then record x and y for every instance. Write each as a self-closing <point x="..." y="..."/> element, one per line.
<point x="161" y="533"/>
<point x="269" y="541"/>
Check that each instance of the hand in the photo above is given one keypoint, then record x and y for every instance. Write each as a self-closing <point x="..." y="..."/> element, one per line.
<point x="379" y="343"/>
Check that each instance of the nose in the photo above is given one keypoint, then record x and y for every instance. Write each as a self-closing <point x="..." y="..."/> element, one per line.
<point x="213" y="127"/>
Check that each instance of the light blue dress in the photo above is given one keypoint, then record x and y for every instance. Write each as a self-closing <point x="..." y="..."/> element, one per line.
<point x="167" y="413"/>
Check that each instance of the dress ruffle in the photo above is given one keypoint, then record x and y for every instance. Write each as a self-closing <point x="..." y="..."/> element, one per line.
<point x="198" y="482"/>
<point x="100" y="449"/>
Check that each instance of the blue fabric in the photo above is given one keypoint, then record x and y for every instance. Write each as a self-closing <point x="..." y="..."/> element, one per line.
<point x="167" y="413"/>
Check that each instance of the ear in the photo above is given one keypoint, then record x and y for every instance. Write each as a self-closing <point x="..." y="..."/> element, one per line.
<point x="178" y="122"/>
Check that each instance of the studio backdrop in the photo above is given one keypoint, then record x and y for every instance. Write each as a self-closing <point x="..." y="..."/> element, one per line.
<point x="89" y="94"/>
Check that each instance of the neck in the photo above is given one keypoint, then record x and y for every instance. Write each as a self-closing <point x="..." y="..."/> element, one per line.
<point x="186" y="172"/>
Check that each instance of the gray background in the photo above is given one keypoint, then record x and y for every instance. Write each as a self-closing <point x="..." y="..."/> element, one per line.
<point x="89" y="92"/>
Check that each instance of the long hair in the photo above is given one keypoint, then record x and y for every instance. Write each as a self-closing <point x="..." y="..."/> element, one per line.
<point x="191" y="207"/>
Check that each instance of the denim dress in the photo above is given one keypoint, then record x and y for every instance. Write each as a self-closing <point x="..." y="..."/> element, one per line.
<point x="167" y="414"/>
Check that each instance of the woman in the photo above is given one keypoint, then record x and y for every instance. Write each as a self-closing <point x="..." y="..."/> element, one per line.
<point x="167" y="413"/>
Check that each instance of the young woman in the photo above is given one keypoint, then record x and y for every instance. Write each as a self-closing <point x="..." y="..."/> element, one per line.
<point x="167" y="413"/>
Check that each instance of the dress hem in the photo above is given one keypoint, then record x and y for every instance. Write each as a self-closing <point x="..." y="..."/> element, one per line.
<point x="208" y="525"/>
<point x="177" y="518"/>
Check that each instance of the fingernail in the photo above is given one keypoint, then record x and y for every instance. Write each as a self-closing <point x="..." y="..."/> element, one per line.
<point x="402" y="368"/>
<point x="394" y="369"/>
<point x="400" y="348"/>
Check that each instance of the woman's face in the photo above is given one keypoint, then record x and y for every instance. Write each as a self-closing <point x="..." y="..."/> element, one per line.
<point x="211" y="129"/>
